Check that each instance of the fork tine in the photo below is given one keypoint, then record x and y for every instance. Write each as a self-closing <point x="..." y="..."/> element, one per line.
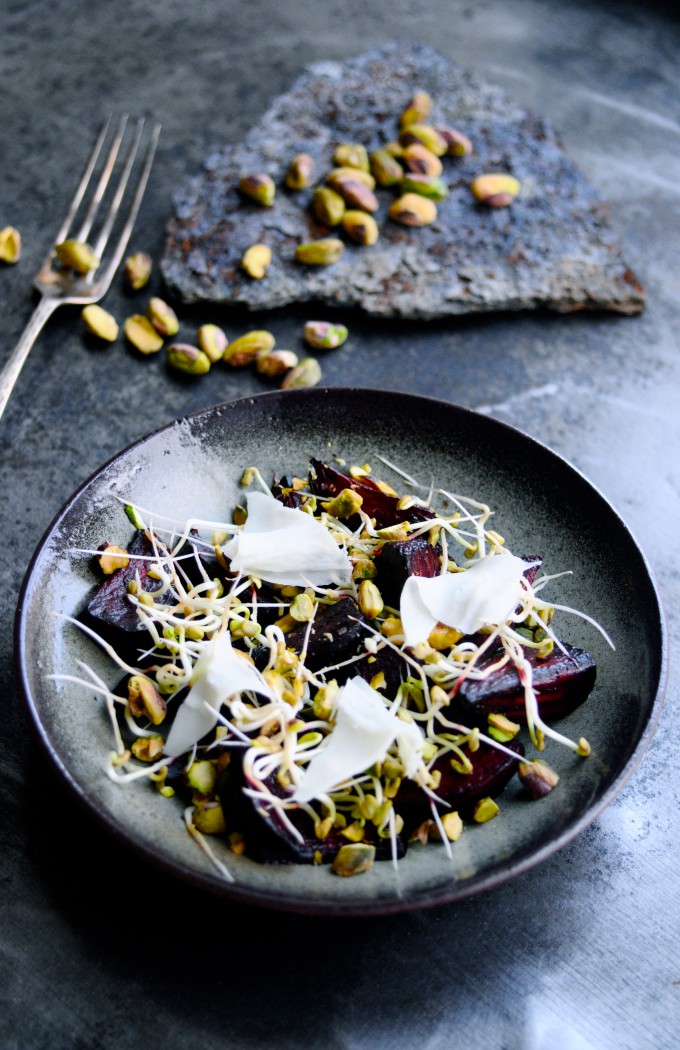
<point x="124" y="237"/>
<point x="83" y="184"/>
<point x="105" y="232"/>
<point x="103" y="182"/>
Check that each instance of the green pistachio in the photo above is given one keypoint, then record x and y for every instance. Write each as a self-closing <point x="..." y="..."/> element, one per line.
<point x="300" y="173"/>
<point x="306" y="374"/>
<point x="188" y="359"/>
<point x="418" y="109"/>
<point x="426" y="185"/>
<point x="413" y="210"/>
<point x="320" y="253"/>
<point x="112" y="558"/>
<point x="162" y="317"/>
<point x="141" y="333"/>
<point x="486" y="809"/>
<point x="322" y="335"/>
<point x="144" y="700"/>
<point x="10" y="245"/>
<point x="457" y="144"/>
<point x="428" y="136"/>
<point x="327" y="206"/>
<point x="275" y="362"/>
<point x="361" y="227"/>
<point x="76" y="255"/>
<point x="246" y="349"/>
<point x="137" y="270"/>
<point x="355" y="193"/>
<point x="100" y="323"/>
<point x="419" y="159"/>
<point x="259" y="187"/>
<point x="337" y="174"/>
<point x="351" y="155"/>
<point x="212" y="341"/>
<point x="208" y="818"/>
<point x="385" y="168"/>
<point x="496" y="191"/>
<point x="353" y="859"/>
<point x="538" y="778"/>
<point x="256" y="260"/>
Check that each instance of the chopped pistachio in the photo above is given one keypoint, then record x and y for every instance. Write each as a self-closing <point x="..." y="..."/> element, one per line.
<point x="370" y="599"/>
<point x="537" y="776"/>
<point x="246" y="349"/>
<point x="112" y="558"/>
<point x="256" y="260"/>
<point x="486" y="809"/>
<point x="10" y="245"/>
<point x="148" y="748"/>
<point x="141" y="333"/>
<point x="501" y="728"/>
<point x="145" y="700"/>
<point x="302" y="608"/>
<point x="137" y="270"/>
<point x="453" y="826"/>
<point x="201" y="776"/>
<point x="345" y="504"/>
<point x="208" y="818"/>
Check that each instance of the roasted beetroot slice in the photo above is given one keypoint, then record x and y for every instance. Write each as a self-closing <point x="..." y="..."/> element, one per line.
<point x="336" y="635"/>
<point x="562" y="681"/>
<point x="109" y="610"/>
<point x="329" y="482"/>
<point x="267" y="838"/>
<point x="387" y="660"/>
<point x="492" y="769"/>
<point x="397" y="561"/>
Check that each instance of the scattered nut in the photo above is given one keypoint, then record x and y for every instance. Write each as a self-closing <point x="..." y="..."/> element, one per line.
<point x="355" y="193"/>
<point x="259" y="187"/>
<point x="413" y="210"/>
<point x="141" y="333"/>
<point x="275" y="362"/>
<point x="148" y="748"/>
<point x="76" y="255"/>
<point x="322" y="335"/>
<point x="345" y="504"/>
<point x="353" y="859"/>
<point x="338" y="174"/>
<point x="144" y="700"/>
<point x="112" y="558"/>
<point x="306" y="374"/>
<point x="426" y="185"/>
<point x="162" y="317"/>
<point x="351" y="155"/>
<point x="427" y="136"/>
<point x="300" y="173"/>
<point x="320" y="253"/>
<point x="486" y="809"/>
<point x="496" y="191"/>
<point x="10" y="245"/>
<point x="360" y="226"/>
<point x="208" y="818"/>
<point x="370" y="599"/>
<point x="453" y="826"/>
<point x="538" y="778"/>
<point x="245" y="349"/>
<point x="327" y="206"/>
<point x="457" y="144"/>
<point x="188" y="359"/>
<point x="137" y="270"/>
<point x="100" y="323"/>
<point x="256" y="260"/>
<point x="212" y="341"/>
<point x="418" y="109"/>
<point x="421" y="160"/>
<point x="385" y="168"/>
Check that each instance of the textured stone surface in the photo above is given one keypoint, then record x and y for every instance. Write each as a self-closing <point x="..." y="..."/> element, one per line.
<point x="553" y="247"/>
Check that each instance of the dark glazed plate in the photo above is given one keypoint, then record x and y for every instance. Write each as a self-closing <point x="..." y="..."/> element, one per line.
<point x="542" y="505"/>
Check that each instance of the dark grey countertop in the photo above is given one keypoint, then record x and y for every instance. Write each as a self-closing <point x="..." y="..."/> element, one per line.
<point x="98" y="950"/>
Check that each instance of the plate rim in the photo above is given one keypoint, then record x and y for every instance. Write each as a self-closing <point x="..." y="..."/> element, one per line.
<point x="416" y="899"/>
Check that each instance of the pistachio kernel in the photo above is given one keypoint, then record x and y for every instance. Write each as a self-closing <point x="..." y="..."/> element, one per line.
<point x="361" y="227"/>
<point x="302" y="608"/>
<point x="148" y="748"/>
<point x="422" y="161"/>
<point x="141" y="333"/>
<point x="427" y="136"/>
<point x="76" y="255"/>
<point x="355" y="194"/>
<point x="10" y="245"/>
<point x="144" y="700"/>
<point x="426" y="185"/>
<point x="300" y="172"/>
<point x="112" y="558"/>
<point x="457" y="144"/>
<point x="212" y="341"/>
<point x="320" y="253"/>
<point x="501" y="728"/>
<point x="351" y="155"/>
<point x="486" y="809"/>
<point x="327" y="206"/>
<point x="208" y="818"/>
<point x="256" y="260"/>
<point x="275" y="362"/>
<point x="306" y="374"/>
<point x="418" y="109"/>
<point x="453" y="826"/>
<point x="322" y="335"/>
<point x="385" y="168"/>
<point x="188" y="359"/>
<point x="496" y="191"/>
<point x="259" y="187"/>
<point x="162" y="317"/>
<point x="336" y="175"/>
<point x="245" y="349"/>
<point x="537" y="776"/>
<point x="413" y="210"/>
<point x="201" y="776"/>
<point x="345" y="504"/>
<point x="137" y="270"/>
<point x="353" y="859"/>
<point x="99" y="322"/>
<point x="370" y="599"/>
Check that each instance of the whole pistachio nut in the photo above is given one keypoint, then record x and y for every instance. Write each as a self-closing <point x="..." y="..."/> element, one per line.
<point x="320" y="253"/>
<point x="426" y="185"/>
<point x="10" y="245"/>
<point x="338" y="174"/>
<point x="212" y="341"/>
<point x="275" y="362"/>
<point x="385" y="168"/>
<point x="457" y="144"/>
<point x="353" y="859"/>
<point x="100" y="323"/>
<point x="245" y="349"/>
<point x="355" y="194"/>
<point x="496" y="191"/>
<point x="162" y="317"/>
<point x="137" y="270"/>
<point x="350" y="155"/>
<point x="141" y="333"/>
<point x="322" y="335"/>
<point x="188" y="359"/>
<point x="300" y="172"/>
<point x="413" y="210"/>
<point x="361" y="227"/>
<point x="327" y="206"/>
<point x="256" y="260"/>
<point x="418" y="109"/>
<point x="394" y="148"/>
<point x="76" y="255"/>
<point x="419" y="159"/>
<point x="427" y="136"/>
<point x="259" y="187"/>
<point x="306" y="374"/>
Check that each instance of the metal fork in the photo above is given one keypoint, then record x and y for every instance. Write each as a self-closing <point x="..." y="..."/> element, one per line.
<point x="60" y="286"/>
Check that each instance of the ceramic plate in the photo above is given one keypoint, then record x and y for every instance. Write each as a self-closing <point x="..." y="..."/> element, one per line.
<point x="542" y="506"/>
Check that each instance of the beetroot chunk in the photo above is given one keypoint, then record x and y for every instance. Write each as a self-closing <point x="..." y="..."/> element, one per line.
<point x="404" y="558"/>
<point x="329" y="482"/>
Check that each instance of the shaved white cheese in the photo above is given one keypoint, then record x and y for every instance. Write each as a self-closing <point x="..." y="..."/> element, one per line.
<point x="410" y="740"/>
<point x="220" y="672"/>
<point x="287" y="546"/>
<point x="362" y="735"/>
<point x="483" y="595"/>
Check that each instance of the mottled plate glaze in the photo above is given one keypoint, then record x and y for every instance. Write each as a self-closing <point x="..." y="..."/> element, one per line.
<point x="542" y="506"/>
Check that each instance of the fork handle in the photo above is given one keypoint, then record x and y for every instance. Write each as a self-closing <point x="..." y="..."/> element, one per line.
<point x="15" y="362"/>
